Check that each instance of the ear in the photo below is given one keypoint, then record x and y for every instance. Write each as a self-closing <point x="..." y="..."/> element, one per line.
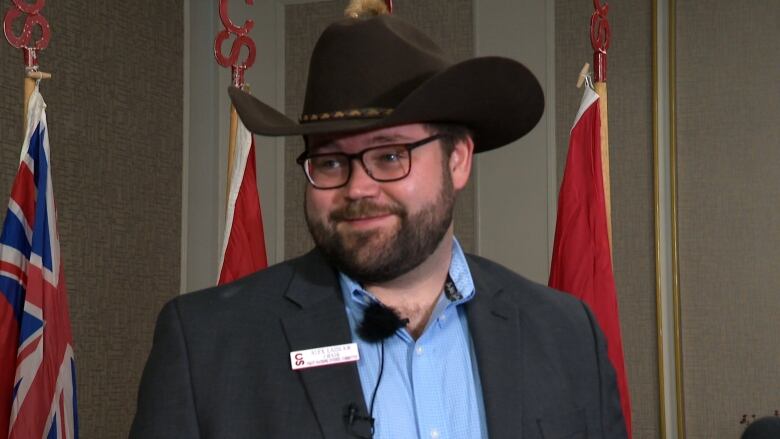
<point x="460" y="162"/>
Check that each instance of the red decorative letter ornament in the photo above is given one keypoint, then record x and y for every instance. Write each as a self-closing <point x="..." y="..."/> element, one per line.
<point x="599" y="40"/>
<point x="33" y="18"/>
<point x="242" y="40"/>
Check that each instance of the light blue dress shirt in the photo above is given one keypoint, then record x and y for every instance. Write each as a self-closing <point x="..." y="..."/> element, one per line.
<point x="430" y="387"/>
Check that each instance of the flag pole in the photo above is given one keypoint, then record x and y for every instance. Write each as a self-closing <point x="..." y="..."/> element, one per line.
<point x="582" y="252"/>
<point x="31" y="79"/>
<point x="600" y="36"/>
<point x="242" y="40"/>
<point x="243" y="245"/>
<point x="599" y="40"/>
<point x="231" y="148"/>
<point x="238" y="81"/>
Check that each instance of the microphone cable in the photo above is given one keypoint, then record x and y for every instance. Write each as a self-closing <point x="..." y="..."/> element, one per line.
<point x="379" y="323"/>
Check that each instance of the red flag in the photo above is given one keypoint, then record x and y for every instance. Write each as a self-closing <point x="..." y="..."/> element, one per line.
<point x="243" y="249"/>
<point x="582" y="261"/>
<point x="37" y="366"/>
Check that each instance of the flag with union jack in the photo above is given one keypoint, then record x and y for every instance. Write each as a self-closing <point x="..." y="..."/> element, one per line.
<point x="37" y="367"/>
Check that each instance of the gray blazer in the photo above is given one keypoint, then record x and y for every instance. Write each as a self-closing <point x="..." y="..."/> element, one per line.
<point x="220" y="364"/>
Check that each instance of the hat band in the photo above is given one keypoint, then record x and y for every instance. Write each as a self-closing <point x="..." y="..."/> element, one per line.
<point x="358" y="113"/>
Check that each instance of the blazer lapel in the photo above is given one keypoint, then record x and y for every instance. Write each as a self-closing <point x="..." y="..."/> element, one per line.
<point x="321" y="322"/>
<point x="496" y="330"/>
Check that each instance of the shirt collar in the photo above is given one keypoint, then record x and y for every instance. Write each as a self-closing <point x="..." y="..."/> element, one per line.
<point x="357" y="299"/>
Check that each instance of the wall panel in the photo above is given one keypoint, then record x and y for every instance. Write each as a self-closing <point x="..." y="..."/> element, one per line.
<point x="729" y="217"/>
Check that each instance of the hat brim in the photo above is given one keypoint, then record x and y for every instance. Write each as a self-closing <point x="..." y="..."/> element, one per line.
<point x="498" y="98"/>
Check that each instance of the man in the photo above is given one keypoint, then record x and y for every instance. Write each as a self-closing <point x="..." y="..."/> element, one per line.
<point x="449" y="345"/>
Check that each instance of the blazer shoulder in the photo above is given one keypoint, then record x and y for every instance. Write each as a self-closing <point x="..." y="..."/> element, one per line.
<point x="266" y="287"/>
<point x="527" y="294"/>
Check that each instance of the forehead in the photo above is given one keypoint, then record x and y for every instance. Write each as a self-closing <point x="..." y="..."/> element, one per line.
<point x="352" y="141"/>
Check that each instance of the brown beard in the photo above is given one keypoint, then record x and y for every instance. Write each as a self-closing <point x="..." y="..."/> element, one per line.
<point x="374" y="257"/>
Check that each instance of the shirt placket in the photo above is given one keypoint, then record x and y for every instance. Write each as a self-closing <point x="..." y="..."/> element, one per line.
<point x="425" y="361"/>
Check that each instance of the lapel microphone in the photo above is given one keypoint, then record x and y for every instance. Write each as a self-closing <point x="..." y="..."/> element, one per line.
<point x="379" y="323"/>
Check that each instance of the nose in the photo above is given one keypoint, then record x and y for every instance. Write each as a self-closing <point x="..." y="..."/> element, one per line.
<point x="360" y="184"/>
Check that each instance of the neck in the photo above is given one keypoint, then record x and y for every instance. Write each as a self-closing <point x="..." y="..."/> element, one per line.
<point x="414" y="294"/>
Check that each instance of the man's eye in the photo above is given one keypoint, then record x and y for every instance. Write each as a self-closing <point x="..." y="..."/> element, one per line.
<point x="328" y="163"/>
<point x="390" y="156"/>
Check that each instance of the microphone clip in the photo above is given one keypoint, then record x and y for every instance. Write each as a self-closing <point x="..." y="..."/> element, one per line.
<point x="358" y="425"/>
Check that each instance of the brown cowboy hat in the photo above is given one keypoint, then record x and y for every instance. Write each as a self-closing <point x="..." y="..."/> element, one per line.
<point x="381" y="71"/>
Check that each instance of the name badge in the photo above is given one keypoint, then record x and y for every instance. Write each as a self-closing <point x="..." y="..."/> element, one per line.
<point x="324" y="356"/>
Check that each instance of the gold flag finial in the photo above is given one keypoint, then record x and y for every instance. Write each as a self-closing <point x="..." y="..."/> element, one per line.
<point x="366" y="8"/>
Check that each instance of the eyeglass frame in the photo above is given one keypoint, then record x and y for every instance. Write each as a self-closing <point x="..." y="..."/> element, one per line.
<point x="305" y="156"/>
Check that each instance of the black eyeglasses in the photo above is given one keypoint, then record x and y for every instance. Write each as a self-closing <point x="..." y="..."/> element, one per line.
<point x="382" y="163"/>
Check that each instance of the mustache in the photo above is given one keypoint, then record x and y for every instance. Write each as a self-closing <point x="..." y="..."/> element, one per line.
<point x="366" y="208"/>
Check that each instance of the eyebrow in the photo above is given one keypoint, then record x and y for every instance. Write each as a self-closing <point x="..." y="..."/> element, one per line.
<point x="375" y="140"/>
<point x="385" y="138"/>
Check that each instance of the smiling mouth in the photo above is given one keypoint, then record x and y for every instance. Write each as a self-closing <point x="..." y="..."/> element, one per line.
<point x="367" y="217"/>
<point x="365" y="214"/>
<point x="366" y="221"/>
<point x="358" y="219"/>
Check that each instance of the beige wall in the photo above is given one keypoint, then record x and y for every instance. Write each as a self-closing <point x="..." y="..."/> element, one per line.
<point x="115" y="124"/>
<point x="516" y="196"/>
<point x="728" y="149"/>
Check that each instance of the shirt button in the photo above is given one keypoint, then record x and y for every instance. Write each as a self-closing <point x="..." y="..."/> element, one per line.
<point x="435" y="434"/>
<point x="419" y="350"/>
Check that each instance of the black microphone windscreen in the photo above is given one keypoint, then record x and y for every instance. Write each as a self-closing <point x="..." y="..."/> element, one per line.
<point x="379" y="322"/>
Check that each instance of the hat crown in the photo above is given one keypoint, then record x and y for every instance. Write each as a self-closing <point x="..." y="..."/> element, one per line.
<point x="373" y="63"/>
